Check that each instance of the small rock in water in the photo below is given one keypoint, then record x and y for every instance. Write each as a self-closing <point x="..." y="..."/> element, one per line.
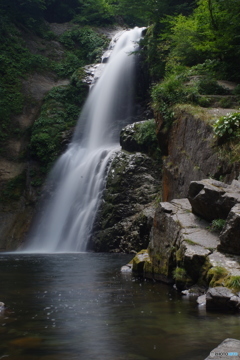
<point x="201" y="300"/>
<point x="2" y="306"/>
<point x="126" y="268"/>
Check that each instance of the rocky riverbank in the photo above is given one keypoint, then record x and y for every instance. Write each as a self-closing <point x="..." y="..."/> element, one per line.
<point x="187" y="250"/>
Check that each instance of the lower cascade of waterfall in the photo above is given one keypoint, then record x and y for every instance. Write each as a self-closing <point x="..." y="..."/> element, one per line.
<point x="78" y="178"/>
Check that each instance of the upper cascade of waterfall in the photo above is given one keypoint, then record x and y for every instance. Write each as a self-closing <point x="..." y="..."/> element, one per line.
<point x="78" y="177"/>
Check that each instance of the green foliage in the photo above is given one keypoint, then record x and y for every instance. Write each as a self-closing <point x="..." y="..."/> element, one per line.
<point x="179" y="274"/>
<point x="209" y="86"/>
<point x="210" y="32"/>
<point x="236" y="91"/>
<point x="217" y="225"/>
<point x="217" y="276"/>
<point x="59" y="113"/>
<point x="15" y="62"/>
<point x="86" y="43"/>
<point x="171" y="91"/>
<point x="233" y="283"/>
<point x="146" y="136"/>
<point x="227" y="127"/>
<point x="14" y="188"/>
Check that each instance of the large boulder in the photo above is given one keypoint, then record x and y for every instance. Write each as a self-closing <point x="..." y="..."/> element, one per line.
<point x="221" y="298"/>
<point x="211" y="199"/>
<point x="125" y="217"/>
<point x="179" y="243"/>
<point x="230" y="235"/>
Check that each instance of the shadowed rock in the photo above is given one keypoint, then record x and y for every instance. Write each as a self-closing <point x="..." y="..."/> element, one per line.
<point x="213" y="199"/>
<point x="230" y="235"/>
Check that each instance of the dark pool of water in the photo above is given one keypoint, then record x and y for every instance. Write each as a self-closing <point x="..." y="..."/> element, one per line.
<point x="79" y="306"/>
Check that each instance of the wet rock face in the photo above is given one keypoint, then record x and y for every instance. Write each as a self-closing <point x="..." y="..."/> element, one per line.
<point x="213" y="199"/>
<point x="125" y="216"/>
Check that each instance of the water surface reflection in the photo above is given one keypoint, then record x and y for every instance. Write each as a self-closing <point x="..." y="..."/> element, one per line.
<point x="79" y="306"/>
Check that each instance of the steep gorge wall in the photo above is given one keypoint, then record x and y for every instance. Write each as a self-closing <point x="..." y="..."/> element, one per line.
<point x="190" y="152"/>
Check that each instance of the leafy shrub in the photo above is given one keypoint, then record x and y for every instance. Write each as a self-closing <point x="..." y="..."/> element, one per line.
<point x="86" y="43"/>
<point x="59" y="113"/>
<point x="236" y="91"/>
<point x="227" y="127"/>
<point x="209" y="86"/>
<point x="217" y="225"/>
<point x="146" y="136"/>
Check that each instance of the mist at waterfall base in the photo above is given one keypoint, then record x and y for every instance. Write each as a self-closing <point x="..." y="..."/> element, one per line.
<point x="78" y="177"/>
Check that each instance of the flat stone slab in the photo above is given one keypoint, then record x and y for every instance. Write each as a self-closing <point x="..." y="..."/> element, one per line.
<point x="229" y="262"/>
<point x="193" y="229"/>
<point x="228" y="349"/>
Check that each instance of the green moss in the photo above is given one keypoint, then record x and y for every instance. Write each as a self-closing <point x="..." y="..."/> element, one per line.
<point x="179" y="274"/>
<point x="233" y="282"/>
<point x="217" y="276"/>
<point x="190" y="242"/>
<point x="14" y="188"/>
<point x="59" y="113"/>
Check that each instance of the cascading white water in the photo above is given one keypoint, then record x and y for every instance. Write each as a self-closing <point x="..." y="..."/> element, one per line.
<point x="78" y="177"/>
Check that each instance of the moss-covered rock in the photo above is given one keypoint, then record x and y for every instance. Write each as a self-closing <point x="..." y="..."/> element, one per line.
<point x="125" y="216"/>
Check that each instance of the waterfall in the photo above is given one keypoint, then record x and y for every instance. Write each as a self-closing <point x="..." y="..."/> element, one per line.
<point x="79" y="176"/>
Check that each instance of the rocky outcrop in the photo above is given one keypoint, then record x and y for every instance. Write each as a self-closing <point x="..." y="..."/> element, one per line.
<point x="125" y="216"/>
<point x="211" y="199"/>
<point x="189" y="151"/>
<point x="229" y="348"/>
<point x="179" y="240"/>
<point x="184" y="249"/>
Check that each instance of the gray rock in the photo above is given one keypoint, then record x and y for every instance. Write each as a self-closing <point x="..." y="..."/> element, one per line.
<point x="212" y="199"/>
<point x="228" y="349"/>
<point x="179" y="238"/>
<point x="127" y="268"/>
<point x="229" y="262"/>
<point x="125" y="216"/>
<point x="221" y="298"/>
<point x="201" y="300"/>
<point x="128" y="138"/>
<point x="230" y="235"/>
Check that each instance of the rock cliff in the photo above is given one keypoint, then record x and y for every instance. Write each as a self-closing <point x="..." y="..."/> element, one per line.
<point x="190" y="152"/>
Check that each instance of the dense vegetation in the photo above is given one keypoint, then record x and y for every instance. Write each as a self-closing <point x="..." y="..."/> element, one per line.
<point x="189" y="45"/>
